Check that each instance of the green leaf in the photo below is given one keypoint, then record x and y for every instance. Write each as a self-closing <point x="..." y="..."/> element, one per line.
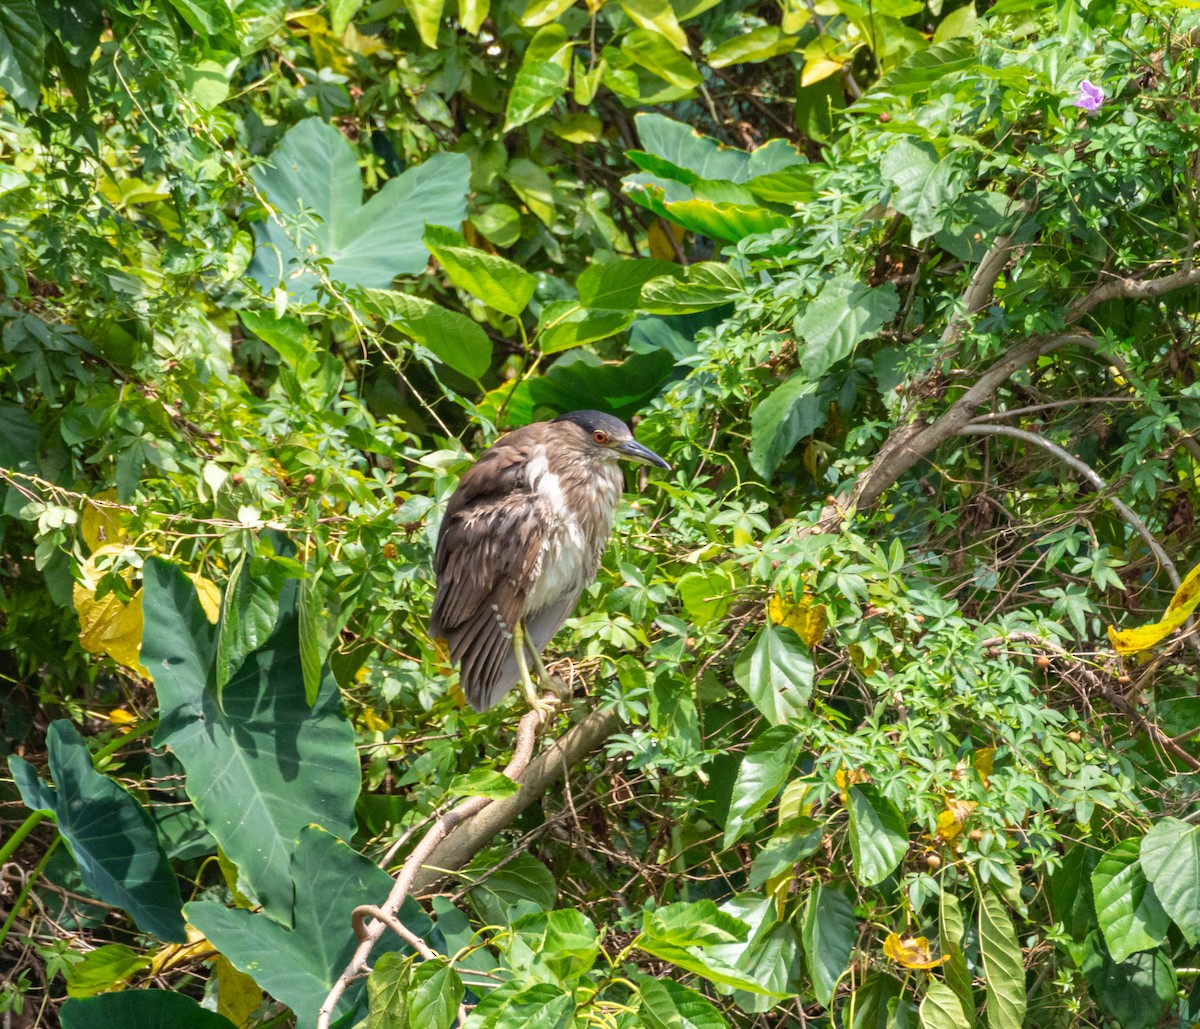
<point x="792" y="411"/>
<point x="483" y="782"/>
<point x="878" y="835"/>
<point x="617" y="285"/>
<point x="699" y="287"/>
<point x="1127" y="907"/>
<point x="829" y="935"/>
<point x="403" y="993"/>
<point x="22" y="46"/>
<point x="760" y="44"/>
<point x="308" y="608"/>
<point x="262" y="764"/>
<point x="716" y="218"/>
<point x="565" y="324"/>
<point x="924" y="185"/>
<point x="560" y="945"/>
<point x="204" y="17"/>
<point x="521" y="886"/>
<point x="542" y="77"/>
<point x="533" y="186"/>
<point x="341" y="13"/>
<point x="763" y="770"/>
<point x="657" y="16"/>
<point x="427" y="16"/>
<point x="657" y="55"/>
<point x="696" y="924"/>
<point x="951" y="933"/>
<point x="472" y="14"/>
<point x="776" y="671"/>
<point x="843" y="314"/>
<point x="691" y="156"/>
<point x="288" y="337"/>
<point x="249" y="609"/>
<point x="103" y="969"/>
<point x="453" y="338"/>
<point x="1002" y="962"/>
<point x="498" y="223"/>
<point x="940" y="1008"/>
<point x="206" y="83"/>
<point x="298" y="966"/>
<point x="517" y="1005"/>
<point x="143" y="1009"/>
<point x="314" y="185"/>
<point x="499" y="283"/>
<point x="878" y="996"/>
<point x="665" y="1004"/>
<point x="707" y="595"/>
<point x="540" y="12"/>
<point x="109" y="833"/>
<point x="1170" y="857"/>
<point x="769" y="955"/>
<point x="1135" y="993"/>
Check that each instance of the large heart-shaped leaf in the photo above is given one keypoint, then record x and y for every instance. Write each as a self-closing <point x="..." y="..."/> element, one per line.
<point x="760" y="777"/>
<point x="110" y="834"/>
<point x="299" y="965"/>
<point x="1170" y="855"/>
<point x="878" y="835"/>
<point x="843" y="314"/>
<point x="1127" y="907"/>
<point x="314" y="186"/>
<point x="776" y="671"/>
<point x="453" y="338"/>
<point x="145" y="1009"/>
<point x="22" y="52"/>
<point x="261" y="764"/>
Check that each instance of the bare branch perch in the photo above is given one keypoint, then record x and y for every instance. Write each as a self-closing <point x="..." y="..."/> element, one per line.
<point x="1132" y="289"/>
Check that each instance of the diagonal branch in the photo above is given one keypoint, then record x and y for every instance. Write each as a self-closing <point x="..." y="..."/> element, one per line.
<point x="1129" y="288"/>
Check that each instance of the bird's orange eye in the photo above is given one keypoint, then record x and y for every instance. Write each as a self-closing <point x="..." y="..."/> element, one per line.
<point x="600" y="436"/>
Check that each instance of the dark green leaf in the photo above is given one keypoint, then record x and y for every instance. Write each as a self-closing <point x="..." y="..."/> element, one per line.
<point x="829" y="935"/>
<point x="878" y="835"/>
<point x="143" y="1009"/>
<point x="1136" y="992"/>
<point x="792" y="411"/>
<point x="519" y="887"/>
<point x="262" y="764"/>
<point x="298" y="966"/>
<point x="110" y="835"/>
<point x="844" y="313"/>
<point x="924" y="185"/>
<point x="22" y="45"/>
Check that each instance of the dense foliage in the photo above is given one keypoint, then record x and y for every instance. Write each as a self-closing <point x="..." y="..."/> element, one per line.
<point x="894" y="669"/>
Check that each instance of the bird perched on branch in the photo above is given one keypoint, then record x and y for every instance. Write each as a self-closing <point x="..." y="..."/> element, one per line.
<point x="521" y="539"/>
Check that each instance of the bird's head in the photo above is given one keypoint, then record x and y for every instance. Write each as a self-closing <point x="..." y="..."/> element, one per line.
<point x="602" y="434"/>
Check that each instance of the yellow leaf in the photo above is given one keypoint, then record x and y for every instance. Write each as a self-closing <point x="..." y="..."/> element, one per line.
<point x="660" y="242"/>
<point x="120" y="717"/>
<point x="806" y="619"/>
<point x="176" y="955"/>
<point x="816" y="71"/>
<point x="950" y="823"/>
<point x="101" y="525"/>
<point x="983" y="763"/>
<point x="845" y="780"/>
<point x="109" y="627"/>
<point x="238" y="996"/>
<point x="210" y="596"/>
<point x="373" y="722"/>
<point x="1132" y="641"/>
<point x="911" y="951"/>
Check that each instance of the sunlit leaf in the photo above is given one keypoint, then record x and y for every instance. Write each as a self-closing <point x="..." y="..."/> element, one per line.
<point x="805" y="618"/>
<point x="1003" y="963"/>
<point x="911" y="951"/>
<point x="1127" y="907"/>
<point x="1180" y="608"/>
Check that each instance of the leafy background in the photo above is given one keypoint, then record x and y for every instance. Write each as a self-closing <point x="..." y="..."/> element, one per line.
<point x="897" y="659"/>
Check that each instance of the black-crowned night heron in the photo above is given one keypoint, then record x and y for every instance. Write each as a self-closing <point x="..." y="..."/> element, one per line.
<point x="521" y="539"/>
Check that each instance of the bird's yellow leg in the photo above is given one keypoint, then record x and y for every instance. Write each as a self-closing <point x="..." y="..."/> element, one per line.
<point x="545" y="706"/>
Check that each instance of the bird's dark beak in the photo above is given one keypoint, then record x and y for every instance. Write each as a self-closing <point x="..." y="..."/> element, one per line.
<point x="632" y="450"/>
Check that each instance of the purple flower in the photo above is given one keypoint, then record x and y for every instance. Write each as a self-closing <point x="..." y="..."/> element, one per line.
<point x="1090" y="97"/>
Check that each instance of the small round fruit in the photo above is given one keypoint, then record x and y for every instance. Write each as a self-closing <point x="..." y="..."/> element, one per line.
<point x="975" y="835"/>
<point x="1043" y="661"/>
<point x="933" y="862"/>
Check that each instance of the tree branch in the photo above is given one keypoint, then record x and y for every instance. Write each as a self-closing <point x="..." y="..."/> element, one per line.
<point x="1132" y="289"/>
<point x="1066" y="457"/>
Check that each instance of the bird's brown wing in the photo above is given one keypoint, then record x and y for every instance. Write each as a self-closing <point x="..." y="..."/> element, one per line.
<point x="486" y="558"/>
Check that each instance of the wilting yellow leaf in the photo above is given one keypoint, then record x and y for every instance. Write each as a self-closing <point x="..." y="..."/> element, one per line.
<point x="951" y="821"/>
<point x="858" y="658"/>
<point x="238" y="996"/>
<point x="210" y="596"/>
<point x="120" y="717"/>
<point x="846" y="779"/>
<point x="1133" y="641"/>
<point x="660" y="242"/>
<point x="175" y="955"/>
<point x="815" y="71"/>
<point x="983" y="763"/>
<point x="373" y="722"/>
<point x="107" y="626"/>
<point x="806" y="619"/>
<point x="911" y="951"/>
